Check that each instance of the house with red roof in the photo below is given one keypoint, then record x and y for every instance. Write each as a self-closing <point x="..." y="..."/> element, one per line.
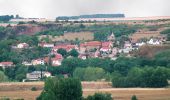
<point x="46" y="45"/>
<point x="6" y="64"/>
<point x="90" y="45"/>
<point x="83" y="56"/>
<point x="56" y="61"/>
<point x="66" y="47"/>
<point x="106" y="46"/>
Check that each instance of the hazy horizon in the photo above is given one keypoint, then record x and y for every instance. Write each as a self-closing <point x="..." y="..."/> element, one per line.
<point x="54" y="8"/>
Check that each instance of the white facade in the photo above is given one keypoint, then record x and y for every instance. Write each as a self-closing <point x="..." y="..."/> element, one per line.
<point x="38" y="62"/>
<point x="154" y="42"/>
<point x="22" y="45"/>
<point x="36" y="75"/>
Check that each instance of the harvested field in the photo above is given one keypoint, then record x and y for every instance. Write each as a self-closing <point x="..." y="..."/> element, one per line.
<point x="127" y="93"/>
<point x="70" y="36"/>
<point x="140" y="35"/>
<point x="23" y="90"/>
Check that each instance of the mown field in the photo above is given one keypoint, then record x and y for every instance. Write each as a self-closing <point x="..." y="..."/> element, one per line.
<point x="23" y="91"/>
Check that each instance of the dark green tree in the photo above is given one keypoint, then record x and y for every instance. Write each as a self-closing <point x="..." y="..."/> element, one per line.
<point x="73" y="53"/>
<point x="62" y="51"/>
<point x="61" y="89"/>
<point x="3" y="77"/>
<point x="134" y="97"/>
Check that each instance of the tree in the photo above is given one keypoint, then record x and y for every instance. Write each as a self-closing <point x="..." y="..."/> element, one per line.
<point x="167" y="31"/>
<point x="158" y="78"/>
<point x="61" y="89"/>
<point x="100" y="96"/>
<point x="79" y="73"/>
<point x="20" y="72"/>
<point x="134" y="77"/>
<point x="62" y="51"/>
<point x="73" y="53"/>
<point x="70" y="64"/>
<point x="89" y="73"/>
<point x="3" y="77"/>
<point x="134" y="97"/>
<point x="93" y="74"/>
<point x="168" y="36"/>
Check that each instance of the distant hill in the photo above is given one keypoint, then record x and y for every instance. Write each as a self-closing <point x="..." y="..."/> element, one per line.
<point x="91" y="16"/>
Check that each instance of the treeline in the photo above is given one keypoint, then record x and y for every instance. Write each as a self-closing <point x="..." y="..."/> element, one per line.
<point x="142" y="77"/>
<point x="6" y="18"/>
<point x="91" y="16"/>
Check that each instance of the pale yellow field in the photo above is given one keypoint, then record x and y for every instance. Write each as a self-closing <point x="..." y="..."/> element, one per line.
<point x="22" y="90"/>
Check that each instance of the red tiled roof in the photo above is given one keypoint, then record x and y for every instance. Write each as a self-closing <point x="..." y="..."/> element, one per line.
<point x="6" y="63"/>
<point x="46" y="59"/>
<point x="105" y="48"/>
<point x="106" y="44"/>
<point x="58" y="56"/>
<point x="66" y="47"/>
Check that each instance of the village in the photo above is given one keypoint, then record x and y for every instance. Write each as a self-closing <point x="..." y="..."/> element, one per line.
<point x="92" y="49"/>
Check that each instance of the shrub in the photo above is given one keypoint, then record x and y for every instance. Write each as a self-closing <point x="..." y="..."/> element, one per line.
<point x="100" y="96"/>
<point x="134" y="97"/>
<point x="33" y="89"/>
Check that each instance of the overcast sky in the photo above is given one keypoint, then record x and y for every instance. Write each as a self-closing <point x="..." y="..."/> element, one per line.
<point x="53" y="8"/>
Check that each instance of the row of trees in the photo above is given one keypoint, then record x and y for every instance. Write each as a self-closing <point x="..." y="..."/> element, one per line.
<point x="142" y="77"/>
<point x="6" y="18"/>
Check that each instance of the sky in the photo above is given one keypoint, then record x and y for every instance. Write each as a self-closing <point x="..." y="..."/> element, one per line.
<point x="54" y="8"/>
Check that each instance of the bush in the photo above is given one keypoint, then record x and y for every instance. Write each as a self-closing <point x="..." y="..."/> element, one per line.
<point x="134" y="97"/>
<point x="100" y="96"/>
<point x="33" y="89"/>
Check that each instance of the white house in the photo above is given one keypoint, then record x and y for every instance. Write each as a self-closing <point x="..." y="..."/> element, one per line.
<point x="154" y="42"/>
<point x="37" y="75"/>
<point x="83" y="56"/>
<point x="57" y="60"/>
<point x="38" y="62"/>
<point x="46" y="45"/>
<point x="139" y="44"/>
<point x="114" y="51"/>
<point x="27" y="63"/>
<point x="6" y="64"/>
<point x="22" y="45"/>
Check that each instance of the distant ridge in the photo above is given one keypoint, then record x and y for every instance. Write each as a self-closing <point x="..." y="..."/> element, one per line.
<point x="91" y="16"/>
